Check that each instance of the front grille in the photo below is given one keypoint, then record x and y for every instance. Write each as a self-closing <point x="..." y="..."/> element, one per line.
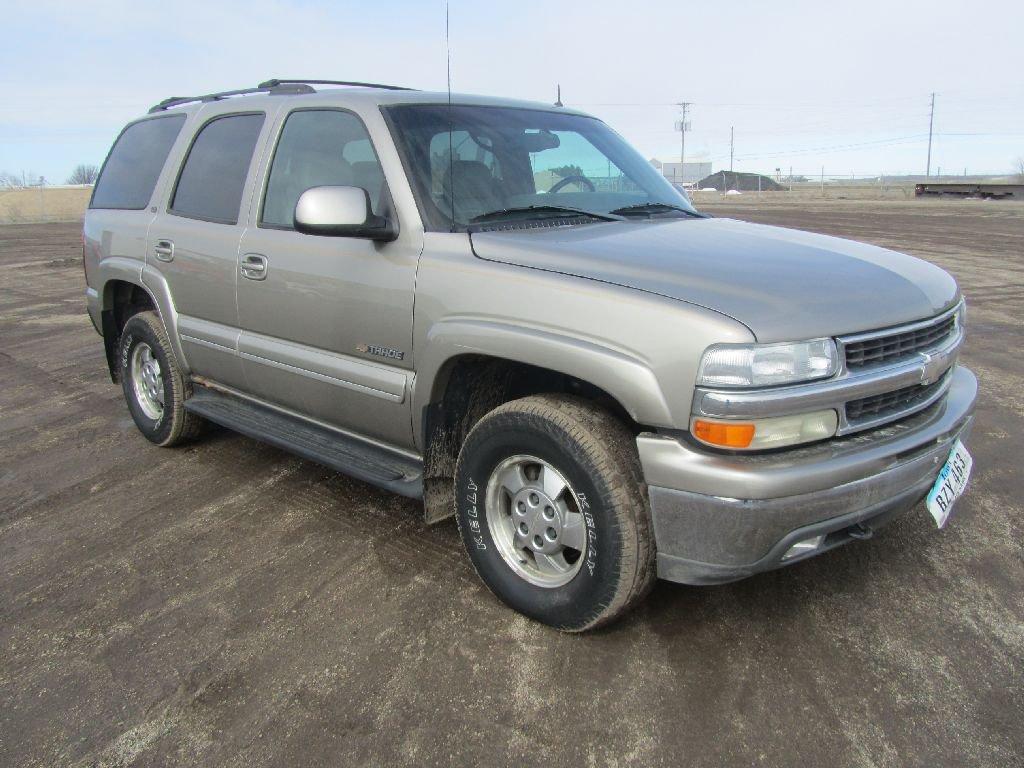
<point x="889" y="403"/>
<point x="897" y="346"/>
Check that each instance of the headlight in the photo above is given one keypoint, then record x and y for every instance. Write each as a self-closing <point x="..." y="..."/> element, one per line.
<point x="763" y="365"/>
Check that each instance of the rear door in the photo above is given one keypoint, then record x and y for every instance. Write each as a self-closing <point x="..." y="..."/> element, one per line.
<point x="326" y="322"/>
<point x="119" y="212"/>
<point x="193" y="243"/>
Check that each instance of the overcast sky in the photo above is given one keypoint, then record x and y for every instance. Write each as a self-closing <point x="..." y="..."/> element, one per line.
<point x="806" y="84"/>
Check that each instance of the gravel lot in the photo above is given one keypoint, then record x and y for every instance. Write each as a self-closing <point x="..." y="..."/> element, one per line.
<point x="229" y="604"/>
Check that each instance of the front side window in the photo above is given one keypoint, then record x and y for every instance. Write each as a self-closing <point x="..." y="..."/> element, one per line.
<point x="320" y="148"/>
<point x="213" y="177"/>
<point x="133" y="166"/>
<point x="468" y="162"/>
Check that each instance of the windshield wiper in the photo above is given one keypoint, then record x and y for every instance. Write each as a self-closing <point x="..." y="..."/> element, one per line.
<point x="545" y="210"/>
<point x="653" y="207"/>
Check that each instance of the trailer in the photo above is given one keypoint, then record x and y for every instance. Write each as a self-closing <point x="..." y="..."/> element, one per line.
<point x="970" y="190"/>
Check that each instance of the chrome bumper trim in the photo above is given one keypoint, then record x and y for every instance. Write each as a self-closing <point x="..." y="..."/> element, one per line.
<point x="674" y="462"/>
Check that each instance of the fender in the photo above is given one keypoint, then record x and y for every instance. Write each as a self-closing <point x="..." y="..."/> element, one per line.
<point x="626" y="378"/>
<point x="137" y="273"/>
<point x="160" y="291"/>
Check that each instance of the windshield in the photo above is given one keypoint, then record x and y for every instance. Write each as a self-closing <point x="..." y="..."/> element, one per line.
<point x="509" y="159"/>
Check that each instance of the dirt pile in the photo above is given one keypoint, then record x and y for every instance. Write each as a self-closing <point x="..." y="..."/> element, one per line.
<point x="744" y="182"/>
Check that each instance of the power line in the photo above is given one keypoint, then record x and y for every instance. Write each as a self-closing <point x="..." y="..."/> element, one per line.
<point x="811" y="150"/>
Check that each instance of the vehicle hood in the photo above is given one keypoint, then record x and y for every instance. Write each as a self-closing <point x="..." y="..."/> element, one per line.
<point x="783" y="284"/>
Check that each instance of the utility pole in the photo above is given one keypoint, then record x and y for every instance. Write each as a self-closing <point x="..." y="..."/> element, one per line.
<point x="732" y="145"/>
<point x="682" y="143"/>
<point x="931" y="122"/>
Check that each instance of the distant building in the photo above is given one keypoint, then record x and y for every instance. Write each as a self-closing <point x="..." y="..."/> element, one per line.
<point x="692" y="172"/>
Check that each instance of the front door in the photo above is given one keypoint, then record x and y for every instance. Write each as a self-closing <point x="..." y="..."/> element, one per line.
<point x="326" y="322"/>
<point x="194" y="243"/>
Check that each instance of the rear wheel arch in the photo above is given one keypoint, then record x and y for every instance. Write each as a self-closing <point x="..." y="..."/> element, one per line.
<point x="121" y="300"/>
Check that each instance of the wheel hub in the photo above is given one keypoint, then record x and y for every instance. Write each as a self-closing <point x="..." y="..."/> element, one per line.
<point x="534" y="518"/>
<point x="147" y="381"/>
<point x="538" y="521"/>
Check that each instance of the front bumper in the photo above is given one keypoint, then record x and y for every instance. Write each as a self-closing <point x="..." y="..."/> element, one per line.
<point x="721" y="517"/>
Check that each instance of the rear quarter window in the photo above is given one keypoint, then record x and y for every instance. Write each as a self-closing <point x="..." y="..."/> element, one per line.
<point x="133" y="166"/>
<point x="212" y="179"/>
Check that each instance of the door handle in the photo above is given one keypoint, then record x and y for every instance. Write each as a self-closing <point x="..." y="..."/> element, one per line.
<point x="254" y="266"/>
<point x="164" y="250"/>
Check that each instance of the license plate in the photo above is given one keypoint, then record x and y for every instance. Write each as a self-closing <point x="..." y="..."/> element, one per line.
<point x="950" y="484"/>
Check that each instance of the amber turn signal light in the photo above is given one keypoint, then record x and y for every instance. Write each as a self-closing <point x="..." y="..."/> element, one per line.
<point x="737" y="435"/>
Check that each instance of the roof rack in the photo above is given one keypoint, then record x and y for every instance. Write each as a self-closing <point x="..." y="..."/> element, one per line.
<point x="274" y="87"/>
<point x="289" y="89"/>
<point x="276" y="82"/>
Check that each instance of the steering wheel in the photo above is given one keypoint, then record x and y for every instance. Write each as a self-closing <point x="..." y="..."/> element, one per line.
<point x="581" y="180"/>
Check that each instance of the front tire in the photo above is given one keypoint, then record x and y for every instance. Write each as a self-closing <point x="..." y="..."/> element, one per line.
<point x="153" y="385"/>
<point x="553" y="511"/>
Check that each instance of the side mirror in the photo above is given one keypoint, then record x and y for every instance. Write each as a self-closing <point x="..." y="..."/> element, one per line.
<point x="341" y="212"/>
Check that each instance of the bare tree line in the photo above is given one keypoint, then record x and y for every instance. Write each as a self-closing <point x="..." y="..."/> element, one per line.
<point x="10" y="180"/>
<point x="83" y="174"/>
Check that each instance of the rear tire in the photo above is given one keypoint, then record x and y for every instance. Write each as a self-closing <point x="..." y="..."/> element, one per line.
<point x="553" y="511"/>
<point x="153" y="385"/>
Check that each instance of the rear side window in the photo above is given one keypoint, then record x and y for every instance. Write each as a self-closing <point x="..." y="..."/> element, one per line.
<point x="129" y="175"/>
<point x="211" y="181"/>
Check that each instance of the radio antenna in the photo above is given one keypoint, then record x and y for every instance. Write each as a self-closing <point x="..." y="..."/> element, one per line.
<point x="451" y="143"/>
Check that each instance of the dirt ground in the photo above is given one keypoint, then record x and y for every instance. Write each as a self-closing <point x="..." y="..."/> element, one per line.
<point x="229" y="604"/>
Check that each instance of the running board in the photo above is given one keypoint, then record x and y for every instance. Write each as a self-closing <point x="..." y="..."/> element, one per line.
<point x="342" y="452"/>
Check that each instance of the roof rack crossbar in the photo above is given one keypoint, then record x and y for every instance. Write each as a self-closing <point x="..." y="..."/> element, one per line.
<point x="354" y="83"/>
<point x="268" y="87"/>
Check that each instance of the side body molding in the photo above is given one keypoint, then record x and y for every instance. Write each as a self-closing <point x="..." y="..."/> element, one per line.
<point x="622" y="376"/>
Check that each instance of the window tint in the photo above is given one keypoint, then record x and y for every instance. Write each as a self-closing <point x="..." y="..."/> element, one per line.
<point x="471" y="153"/>
<point x="577" y="165"/>
<point x="134" y="164"/>
<point x="466" y="161"/>
<point x="320" y="148"/>
<point x="210" y="185"/>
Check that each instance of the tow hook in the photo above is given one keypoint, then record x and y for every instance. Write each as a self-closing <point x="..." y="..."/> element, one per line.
<point x="860" y="532"/>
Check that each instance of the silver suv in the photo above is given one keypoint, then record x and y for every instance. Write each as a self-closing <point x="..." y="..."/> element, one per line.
<point x="501" y="309"/>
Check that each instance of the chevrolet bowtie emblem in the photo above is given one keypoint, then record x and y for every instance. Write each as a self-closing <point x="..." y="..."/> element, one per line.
<point x="933" y="366"/>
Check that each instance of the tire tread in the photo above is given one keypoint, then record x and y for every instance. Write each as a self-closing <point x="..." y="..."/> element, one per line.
<point x="607" y="445"/>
